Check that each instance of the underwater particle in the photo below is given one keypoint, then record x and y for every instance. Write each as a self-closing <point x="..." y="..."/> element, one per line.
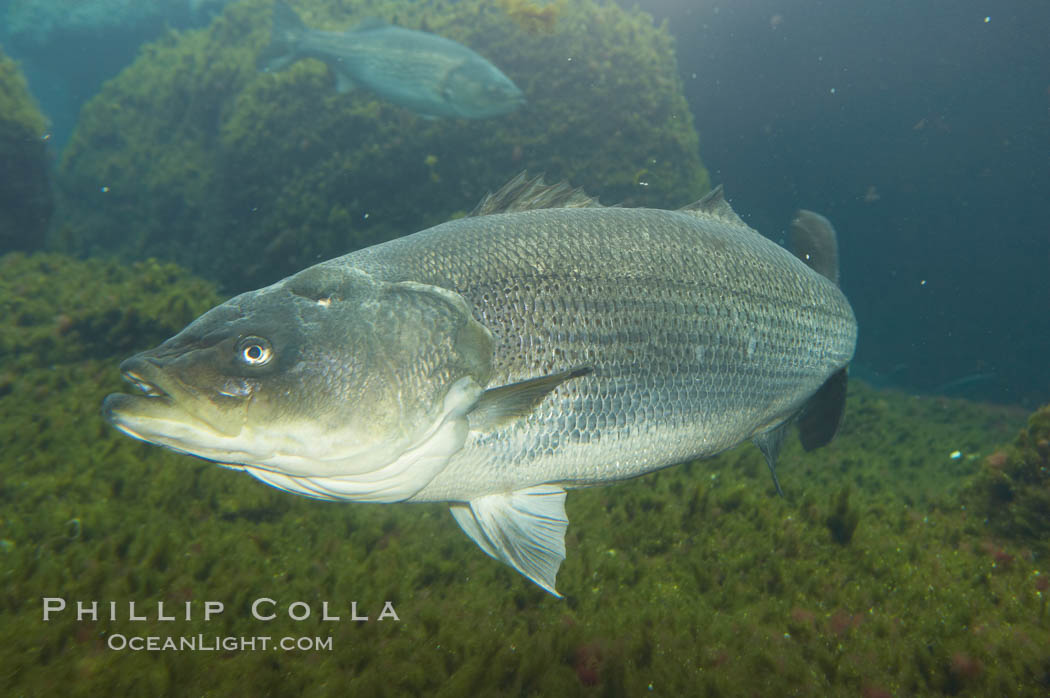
<point x="955" y="455"/>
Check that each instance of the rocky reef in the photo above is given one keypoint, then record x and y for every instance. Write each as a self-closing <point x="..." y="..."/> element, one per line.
<point x="26" y="200"/>
<point x="191" y="154"/>
<point x="1012" y="489"/>
<point x="47" y="24"/>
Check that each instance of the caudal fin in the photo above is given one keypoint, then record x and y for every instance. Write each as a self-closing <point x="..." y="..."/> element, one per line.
<point x="813" y="241"/>
<point x="288" y="30"/>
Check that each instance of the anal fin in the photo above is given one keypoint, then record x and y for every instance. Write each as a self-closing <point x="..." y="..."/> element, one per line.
<point x="524" y="529"/>
<point x="822" y="416"/>
<point x="769" y="442"/>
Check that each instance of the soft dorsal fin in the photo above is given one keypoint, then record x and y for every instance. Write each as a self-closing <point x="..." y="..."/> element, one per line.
<point x="715" y="204"/>
<point x="813" y="241"/>
<point x="524" y="193"/>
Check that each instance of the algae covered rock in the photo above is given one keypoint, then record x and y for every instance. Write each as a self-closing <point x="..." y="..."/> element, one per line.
<point x="25" y="188"/>
<point x="1012" y="489"/>
<point x="192" y="154"/>
<point x="58" y="310"/>
<point x="46" y="24"/>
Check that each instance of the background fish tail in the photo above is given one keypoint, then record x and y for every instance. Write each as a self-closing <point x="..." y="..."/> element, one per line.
<point x="288" y="30"/>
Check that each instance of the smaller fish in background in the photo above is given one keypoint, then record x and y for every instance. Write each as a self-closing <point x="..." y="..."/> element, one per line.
<point x="429" y="74"/>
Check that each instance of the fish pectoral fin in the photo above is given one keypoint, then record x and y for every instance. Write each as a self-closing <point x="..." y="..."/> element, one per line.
<point x="506" y="403"/>
<point x="343" y="82"/>
<point x="524" y="529"/>
<point x="769" y="442"/>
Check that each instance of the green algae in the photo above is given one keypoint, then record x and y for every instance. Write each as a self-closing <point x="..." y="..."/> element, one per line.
<point x="1013" y="487"/>
<point x="246" y="177"/>
<point x="26" y="200"/>
<point x="58" y="310"/>
<point x="696" y="580"/>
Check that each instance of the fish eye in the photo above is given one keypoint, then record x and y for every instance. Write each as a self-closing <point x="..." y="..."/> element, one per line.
<point x="255" y="351"/>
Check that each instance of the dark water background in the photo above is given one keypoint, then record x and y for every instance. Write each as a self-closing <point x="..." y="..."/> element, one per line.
<point x="920" y="128"/>
<point x="941" y="113"/>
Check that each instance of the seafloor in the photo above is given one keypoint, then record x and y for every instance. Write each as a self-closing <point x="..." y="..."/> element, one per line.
<point x="891" y="568"/>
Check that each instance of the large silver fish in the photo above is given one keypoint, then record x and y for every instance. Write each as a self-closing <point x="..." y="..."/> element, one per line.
<point x="429" y="74"/>
<point x="495" y="361"/>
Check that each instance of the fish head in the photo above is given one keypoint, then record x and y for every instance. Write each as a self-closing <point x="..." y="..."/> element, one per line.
<point x="476" y="89"/>
<point x="330" y="383"/>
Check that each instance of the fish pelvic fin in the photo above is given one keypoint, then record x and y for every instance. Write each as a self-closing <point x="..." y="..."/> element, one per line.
<point x="524" y="529"/>
<point x="288" y="30"/>
<point x="822" y="416"/>
<point x="524" y="193"/>
<point x="813" y="240"/>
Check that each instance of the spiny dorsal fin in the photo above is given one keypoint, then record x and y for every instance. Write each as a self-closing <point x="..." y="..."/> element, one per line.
<point x="715" y="204"/>
<point x="524" y="193"/>
<point x="813" y="241"/>
<point x="507" y="403"/>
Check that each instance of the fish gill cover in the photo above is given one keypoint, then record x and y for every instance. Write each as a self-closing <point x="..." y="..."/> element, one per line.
<point x="194" y="155"/>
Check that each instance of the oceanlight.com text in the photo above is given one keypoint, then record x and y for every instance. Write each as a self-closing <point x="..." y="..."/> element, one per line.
<point x="217" y="643"/>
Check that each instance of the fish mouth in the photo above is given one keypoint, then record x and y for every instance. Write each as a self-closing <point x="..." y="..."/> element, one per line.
<point x="148" y="377"/>
<point x="150" y="390"/>
<point x="149" y="397"/>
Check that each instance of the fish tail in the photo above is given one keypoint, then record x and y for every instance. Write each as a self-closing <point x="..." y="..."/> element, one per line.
<point x="288" y="30"/>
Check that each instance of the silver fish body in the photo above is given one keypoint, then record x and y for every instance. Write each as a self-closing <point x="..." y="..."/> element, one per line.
<point x="701" y="334"/>
<point x="498" y="360"/>
<point x="429" y="74"/>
